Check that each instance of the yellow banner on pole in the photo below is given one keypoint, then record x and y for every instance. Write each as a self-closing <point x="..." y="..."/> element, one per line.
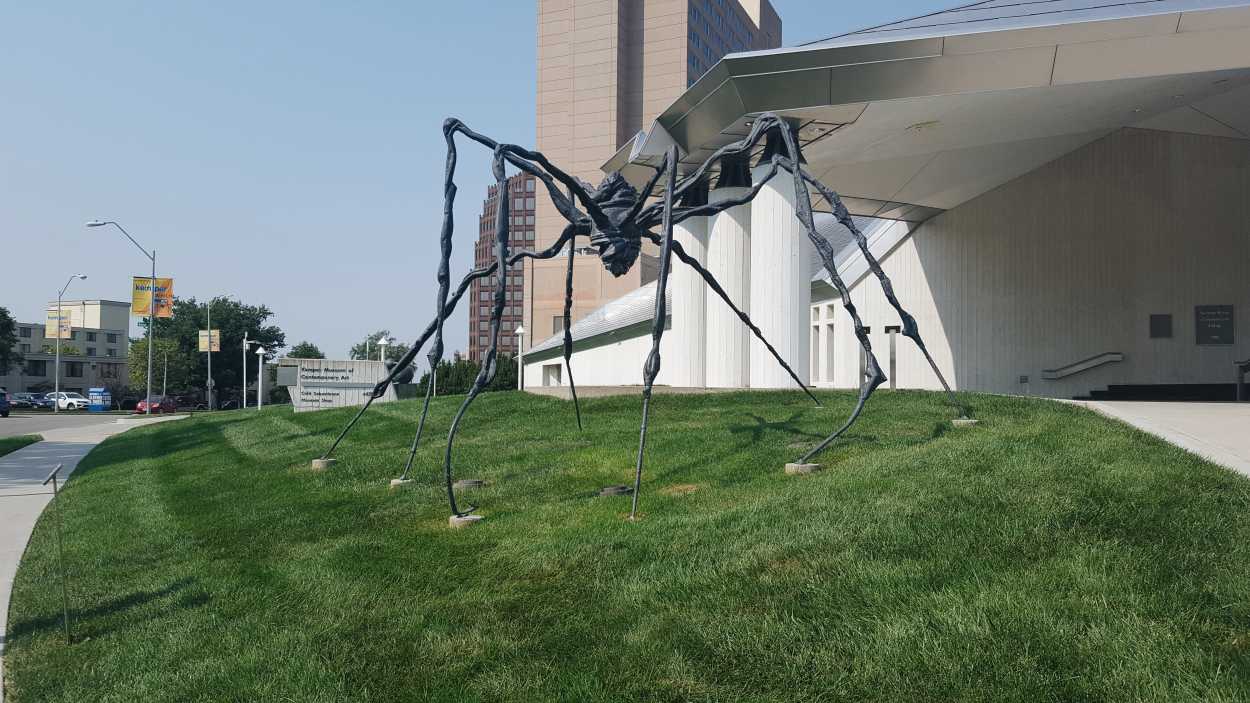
<point x="141" y="296"/>
<point x="205" y="343"/>
<point x="51" y="330"/>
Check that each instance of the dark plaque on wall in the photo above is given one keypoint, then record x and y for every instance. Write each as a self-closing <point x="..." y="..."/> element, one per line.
<point x="1213" y="324"/>
<point x="1160" y="326"/>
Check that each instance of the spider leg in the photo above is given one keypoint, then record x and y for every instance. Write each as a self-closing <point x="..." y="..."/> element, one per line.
<point x="568" y="333"/>
<point x="803" y="205"/>
<point x="759" y="127"/>
<point x="549" y="252"/>
<point x="487" y="372"/>
<point x="652" y="367"/>
<point x="411" y="355"/>
<point x="715" y="285"/>
<point x="910" y="329"/>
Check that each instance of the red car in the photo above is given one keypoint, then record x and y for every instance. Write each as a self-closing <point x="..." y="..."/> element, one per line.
<point x="159" y="405"/>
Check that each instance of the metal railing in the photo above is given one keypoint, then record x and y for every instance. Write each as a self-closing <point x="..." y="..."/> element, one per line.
<point x="1083" y="365"/>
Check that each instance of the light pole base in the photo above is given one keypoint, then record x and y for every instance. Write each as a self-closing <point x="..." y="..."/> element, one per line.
<point x="964" y="422"/>
<point x="322" y="464"/>
<point x="400" y="483"/>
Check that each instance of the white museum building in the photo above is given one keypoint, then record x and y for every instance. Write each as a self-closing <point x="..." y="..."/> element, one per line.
<point x="1059" y="191"/>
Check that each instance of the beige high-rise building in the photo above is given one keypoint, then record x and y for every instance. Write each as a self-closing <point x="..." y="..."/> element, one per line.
<point x="606" y="69"/>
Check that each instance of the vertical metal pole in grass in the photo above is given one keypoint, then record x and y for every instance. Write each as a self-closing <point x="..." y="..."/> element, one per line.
<point x="60" y="547"/>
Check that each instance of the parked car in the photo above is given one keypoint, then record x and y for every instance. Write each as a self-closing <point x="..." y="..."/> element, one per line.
<point x="38" y="400"/>
<point x="69" y="401"/>
<point x="4" y="403"/>
<point x="160" y="404"/>
<point x="22" y="400"/>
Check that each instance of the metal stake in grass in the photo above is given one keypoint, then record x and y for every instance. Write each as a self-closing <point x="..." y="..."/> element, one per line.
<point x="60" y="547"/>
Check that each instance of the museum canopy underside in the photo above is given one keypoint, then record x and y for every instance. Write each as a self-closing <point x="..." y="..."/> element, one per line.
<point x="912" y="118"/>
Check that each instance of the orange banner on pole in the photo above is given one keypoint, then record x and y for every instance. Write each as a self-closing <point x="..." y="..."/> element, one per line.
<point x="141" y="296"/>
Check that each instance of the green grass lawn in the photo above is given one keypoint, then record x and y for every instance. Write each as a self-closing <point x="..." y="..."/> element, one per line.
<point x="12" y="444"/>
<point x="1046" y="554"/>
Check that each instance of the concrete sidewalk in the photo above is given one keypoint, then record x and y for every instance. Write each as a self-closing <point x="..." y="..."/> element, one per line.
<point x="1219" y="432"/>
<point x="22" y="499"/>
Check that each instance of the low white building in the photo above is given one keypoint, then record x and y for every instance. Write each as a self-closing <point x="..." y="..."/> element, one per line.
<point x="1061" y="199"/>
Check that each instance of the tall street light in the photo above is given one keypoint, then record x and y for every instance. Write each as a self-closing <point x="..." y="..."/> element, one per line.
<point x="56" y="405"/>
<point x="247" y="347"/>
<point x="151" y="302"/>
<point x="520" y="357"/>
<point x="260" y="378"/>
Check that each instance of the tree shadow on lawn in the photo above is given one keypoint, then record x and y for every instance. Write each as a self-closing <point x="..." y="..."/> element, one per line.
<point x="84" y="622"/>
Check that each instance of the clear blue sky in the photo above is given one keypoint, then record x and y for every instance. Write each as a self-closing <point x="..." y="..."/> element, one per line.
<point x="282" y="152"/>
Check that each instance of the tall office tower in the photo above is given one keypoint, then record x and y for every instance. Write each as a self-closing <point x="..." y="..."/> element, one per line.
<point x="520" y="236"/>
<point x="606" y="68"/>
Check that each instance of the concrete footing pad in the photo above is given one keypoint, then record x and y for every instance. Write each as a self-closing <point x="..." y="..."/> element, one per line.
<point x="964" y="422"/>
<point x="398" y="483"/>
<point x="469" y="483"/>
<point x="457" y="521"/>
<point x="800" y="469"/>
<point x="615" y="491"/>
<point x="322" y="464"/>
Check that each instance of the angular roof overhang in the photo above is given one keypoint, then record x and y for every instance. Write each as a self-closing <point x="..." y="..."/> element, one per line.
<point x="910" y="119"/>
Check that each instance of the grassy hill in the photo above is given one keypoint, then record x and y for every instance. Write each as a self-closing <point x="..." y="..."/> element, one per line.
<point x="1045" y="554"/>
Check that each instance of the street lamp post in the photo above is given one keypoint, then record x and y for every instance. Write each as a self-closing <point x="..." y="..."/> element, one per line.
<point x="151" y="302"/>
<point x="208" y="307"/>
<point x="56" y="393"/>
<point x="246" y="348"/>
<point x="520" y="357"/>
<point x="260" y="377"/>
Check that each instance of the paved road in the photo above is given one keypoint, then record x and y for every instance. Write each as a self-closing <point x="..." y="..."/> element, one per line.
<point x="1216" y="431"/>
<point x="21" y="422"/>
<point x="67" y="439"/>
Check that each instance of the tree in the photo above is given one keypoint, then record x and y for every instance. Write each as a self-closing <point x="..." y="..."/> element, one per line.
<point x="234" y="318"/>
<point x="173" y="367"/>
<point x="457" y="375"/>
<point x="9" y="355"/>
<point x="305" y="350"/>
<point x="67" y="349"/>
<point x="394" y="351"/>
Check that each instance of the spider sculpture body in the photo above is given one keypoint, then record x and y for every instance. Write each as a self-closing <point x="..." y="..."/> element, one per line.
<point x="616" y="218"/>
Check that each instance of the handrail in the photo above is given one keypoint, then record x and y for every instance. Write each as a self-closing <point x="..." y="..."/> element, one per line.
<point x="1083" y="365"/>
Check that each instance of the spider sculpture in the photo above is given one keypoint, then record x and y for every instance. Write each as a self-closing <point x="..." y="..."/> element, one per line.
<point x="616" y="218"/>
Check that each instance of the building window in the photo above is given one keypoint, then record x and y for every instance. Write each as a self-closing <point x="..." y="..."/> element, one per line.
<point x="91" y="336"/>
<point x="557" y="323"/>
<point x="112" y="338"/>
<point x="25" y="348"/>
<point x="113" y="352"/>
<point x="36" y="367"/>
<point x="482" y="341"/>
<point x="24" y="332"/>
<point x="90" y="351"/>
<point x="73" y="334"/>
<point x="529" y="185"/>
<point x="529" y="203"/>
<point x="73" y="369"/>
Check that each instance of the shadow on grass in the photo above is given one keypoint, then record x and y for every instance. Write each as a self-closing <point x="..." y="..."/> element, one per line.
<point x="761" y="426"/>
<point x="81" y="619"/>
